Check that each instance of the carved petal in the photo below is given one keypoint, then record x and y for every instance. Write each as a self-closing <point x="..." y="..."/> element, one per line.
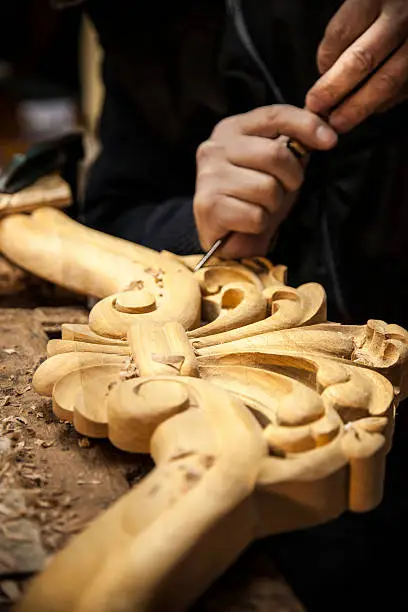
<point x="81" y="397"/>
<point x="236" y="304"/>
<point x="329" y="341"/>
<point x="352" y="391"/>
<point x="256" y="269"/>
<point x="56" y="347"/>
<point x="58" y="366"/>
<point x="83" y="333"/>
<point x="290" y="308"/>
<point x="377" y="346"/>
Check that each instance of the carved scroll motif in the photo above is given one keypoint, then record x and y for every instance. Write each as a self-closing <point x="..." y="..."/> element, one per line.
<point x="260" y="415"/>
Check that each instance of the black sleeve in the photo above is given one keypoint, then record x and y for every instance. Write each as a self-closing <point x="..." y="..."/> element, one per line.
<point x="161" y="226"/>
<point x="141" y="186"/>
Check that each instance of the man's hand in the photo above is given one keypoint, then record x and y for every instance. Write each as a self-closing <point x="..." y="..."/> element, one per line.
<point x="247" y="179"/>
<point x="364" y="53"/>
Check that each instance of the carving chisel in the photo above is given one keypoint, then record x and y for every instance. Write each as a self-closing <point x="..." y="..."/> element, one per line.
<point x="299" y="151"/>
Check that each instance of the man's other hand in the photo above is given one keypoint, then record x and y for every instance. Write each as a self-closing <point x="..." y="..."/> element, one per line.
<point x="364" y="61"/>
<point x="247" y="179"/>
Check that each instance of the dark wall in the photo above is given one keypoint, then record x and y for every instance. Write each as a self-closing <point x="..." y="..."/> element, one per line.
<point x="41" y="44"/>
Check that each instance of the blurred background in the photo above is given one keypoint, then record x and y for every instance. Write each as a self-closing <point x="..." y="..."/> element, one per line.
<point x="49" y="74"/>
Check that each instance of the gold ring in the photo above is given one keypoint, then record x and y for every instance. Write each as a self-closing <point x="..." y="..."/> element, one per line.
<point x="298" y="150"/>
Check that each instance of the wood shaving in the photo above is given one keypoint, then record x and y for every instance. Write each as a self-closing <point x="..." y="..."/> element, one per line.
<point x="139" y="284"/>
<point x="43" y="443"/>
<point x="23" y="390"/>
<point x="84" y="443"/>
<point x="11" y="589"/>
<point x="4" y="469"/>
<point x="89" y="482"/>
<point x="129" y="371"/>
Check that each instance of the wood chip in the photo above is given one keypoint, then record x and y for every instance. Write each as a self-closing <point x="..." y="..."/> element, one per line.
<point x="5" y="401"/>
<point x="11" y="589"/>
<point x="89" y="482"/>
<point x="10" y="351"/>
<point x="44" y="443"/>
<point x="4" y="469"/>
<point x="47" y="444"/>
<point x="84" y="443"/>
<point x="5" y="446"/>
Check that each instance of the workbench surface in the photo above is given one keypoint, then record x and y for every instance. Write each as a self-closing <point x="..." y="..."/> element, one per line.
<point x="53" y="480"/>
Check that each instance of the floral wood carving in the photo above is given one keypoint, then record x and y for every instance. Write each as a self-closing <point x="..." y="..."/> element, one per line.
<point x="261" y="416"/>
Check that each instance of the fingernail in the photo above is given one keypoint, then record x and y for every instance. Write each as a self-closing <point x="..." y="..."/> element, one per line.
<point x="326" y="135"/>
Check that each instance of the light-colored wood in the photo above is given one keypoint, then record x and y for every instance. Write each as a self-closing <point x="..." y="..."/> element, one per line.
<point x="50" y="190"/>
<point x="60" y="250"/>
<point x="261" y="416"/>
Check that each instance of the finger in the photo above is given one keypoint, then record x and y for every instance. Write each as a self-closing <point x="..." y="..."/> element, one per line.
<point x="218" y="214"/>
<point x="349" y="23"/>
<point x="240" y="246"/>
<point x="217" y="177"/>
<point x="355" y="65"/>
<point x="255" y="187"/>
<point x="271" y="157"/>
<point x="383" y="87"/>
<point x="273" y="121"/>
<point x="238" y="215"/>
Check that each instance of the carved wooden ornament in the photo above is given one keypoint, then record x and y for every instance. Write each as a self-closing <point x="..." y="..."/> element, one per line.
<point x="49" y="190"/>
<point x="260" y="415"/>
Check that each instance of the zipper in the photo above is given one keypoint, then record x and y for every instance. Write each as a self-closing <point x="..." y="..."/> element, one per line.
<point x="234" y="9"/>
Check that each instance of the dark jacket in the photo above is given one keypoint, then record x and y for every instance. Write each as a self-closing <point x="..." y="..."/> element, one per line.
<point x="172" y="70"/>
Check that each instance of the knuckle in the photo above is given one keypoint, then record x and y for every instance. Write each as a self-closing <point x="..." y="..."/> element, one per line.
<point x="389" y="82"/>
<point x="207" y="150"/>
<point x="267" y="189"/>
<point x="325" y="58"/>
<point x="363" y="60"/>
<point x="278" y="155"/>
<point x="397" y="10"/>
<point x="204" y="201"/>
<point x="274" y="113"/>
<point x="258" y="220"/>
<point x="337" y="34"/>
